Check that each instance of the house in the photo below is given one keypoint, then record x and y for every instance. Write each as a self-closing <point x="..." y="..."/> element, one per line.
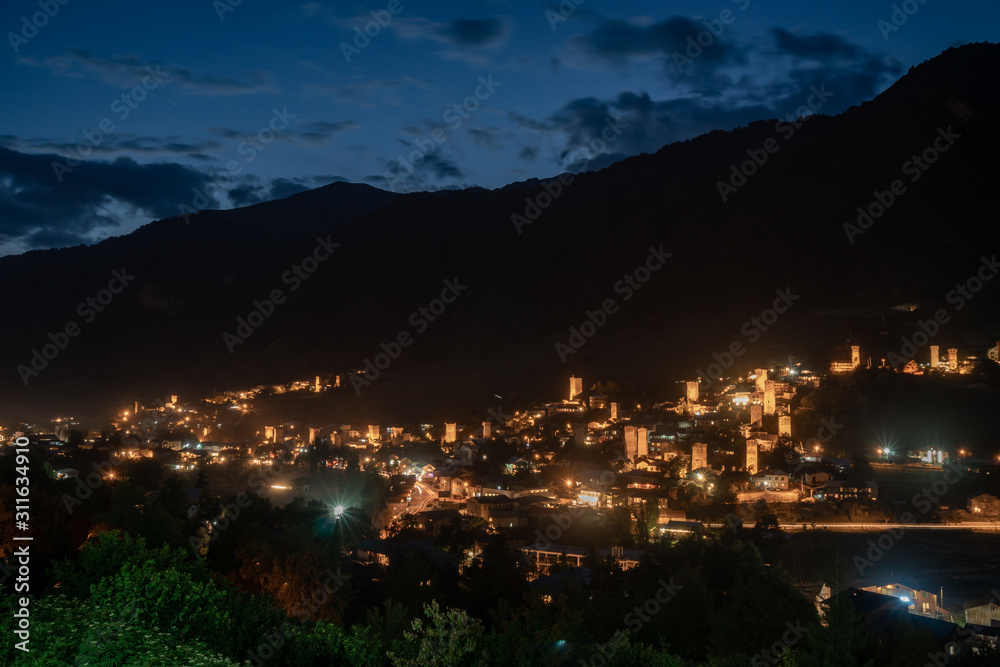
<point x="921" y="603"/>
<point x="846" y="490"/>
<point x="546" y="556"/>
<point x="642" y="479"/>
<point x="468" y="451"/>
<point x="816" y="478"/>
<point x="630" y="496"/>
<point x="882" y="614"/>
<point x="392" y="553"/>
<point x="983" y="636"/>
<point x="984" y="505"/>
<point x="772" y="480"/>
<point x="485" y="507"/>
<point x="982" y="611"/>
<point x="592" y="493"/>
<point x="434" y="520"/>
<point x="516" y="464"/>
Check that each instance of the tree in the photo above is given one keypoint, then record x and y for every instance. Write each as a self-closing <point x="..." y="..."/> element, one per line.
<point x="67" y="631"/>
<point x="449" y="638"/>
<point x="388" y="623"/>
<point x="840" y="640"/>
<point x="609" y="387"/>
<point x="647" y="515"/>
<point x="108" y="552"/>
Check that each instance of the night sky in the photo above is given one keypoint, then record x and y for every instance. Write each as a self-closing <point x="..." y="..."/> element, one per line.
<point x="534" y="85"/>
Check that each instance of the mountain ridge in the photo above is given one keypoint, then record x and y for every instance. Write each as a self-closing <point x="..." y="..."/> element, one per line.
<point x="783" y="228"/>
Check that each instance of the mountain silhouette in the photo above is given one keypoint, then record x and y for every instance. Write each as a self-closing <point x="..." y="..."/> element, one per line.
<point x="529" y="278"/>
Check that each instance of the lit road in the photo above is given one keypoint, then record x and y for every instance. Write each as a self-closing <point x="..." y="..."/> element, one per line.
<point x="865" y="527"/>
<point x="424" y="494"/>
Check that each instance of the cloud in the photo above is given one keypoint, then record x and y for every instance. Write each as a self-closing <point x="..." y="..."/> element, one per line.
<point x="616" y="41"/>
<point x="321" y="131"/>
<point x="470" y="32"/>
<point x="36" y="210"/>
<point x="429" y="171"/>
<point x="490" y="137"/>
<point x="308" y="131"/>
<point x="743" y="84"/>
<point x="460" y="33"/>
<point x="118" y="144"/>
<point x="365" y="92"/>
<point x="817" y="45"/>
<point x="124" y="71"/>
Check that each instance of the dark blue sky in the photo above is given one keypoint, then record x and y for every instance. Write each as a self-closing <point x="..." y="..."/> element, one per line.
<point x="532" y="90"/>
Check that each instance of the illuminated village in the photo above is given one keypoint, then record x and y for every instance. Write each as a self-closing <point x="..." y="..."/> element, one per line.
<point x="752" y="444"/>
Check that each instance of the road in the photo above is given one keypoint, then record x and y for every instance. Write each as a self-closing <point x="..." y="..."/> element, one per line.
<point x="863" y="527"/>
<point x="424" y="494"/>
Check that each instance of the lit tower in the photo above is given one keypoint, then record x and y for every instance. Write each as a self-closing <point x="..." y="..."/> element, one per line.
<point x="785" y="425"/>
<point x="450" y="432"/>
<point x="699" y="456"/>
<point x="631" y="443"/>
<point x="855" y="356"/>
<point x="692" y="391"/>
<point x="751" y="456"/>
<point x="642" y="445"/>
<point x="575" y="387"/>
<point x="756" y="413"/>
<point x="934" y="356"/>
<point x="761" y="378"/>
